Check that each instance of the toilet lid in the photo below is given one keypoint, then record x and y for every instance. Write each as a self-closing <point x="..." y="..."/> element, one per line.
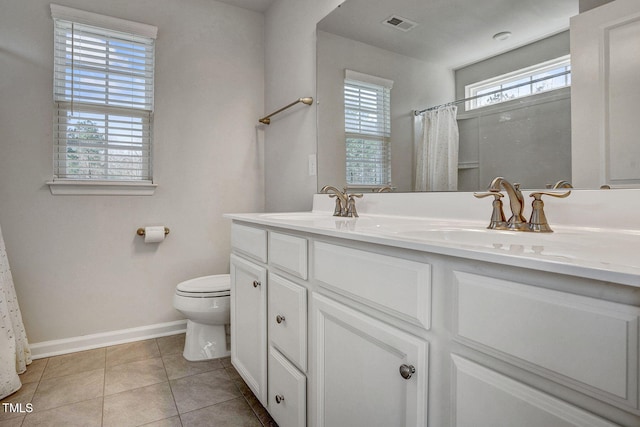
<point x="217" y="284"/>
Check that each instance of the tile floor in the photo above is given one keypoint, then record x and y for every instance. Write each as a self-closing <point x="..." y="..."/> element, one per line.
<point x="145" y="383"/>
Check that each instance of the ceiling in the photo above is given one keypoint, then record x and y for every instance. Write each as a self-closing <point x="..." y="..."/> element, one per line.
<point x="257" y="5"/>
<point x="451" y="32"/>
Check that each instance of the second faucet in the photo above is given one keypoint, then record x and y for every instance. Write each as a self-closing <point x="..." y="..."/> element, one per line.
<point x="345" y="202"/>
<point x="537" y="222"/>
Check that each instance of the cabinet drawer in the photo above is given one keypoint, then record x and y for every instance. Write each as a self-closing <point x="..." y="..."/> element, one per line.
<point x="587" y="341"/>
<point x="288" y="319"/>
<point x="393" y="285"/>
<point x="288" y="253"/>
<point x="484" y="397"/>
<point x="249" y="241"/>
<point x="287" y="392"/>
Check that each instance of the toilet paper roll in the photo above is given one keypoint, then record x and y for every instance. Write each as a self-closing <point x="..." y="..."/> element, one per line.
<point x="154" y="234"/>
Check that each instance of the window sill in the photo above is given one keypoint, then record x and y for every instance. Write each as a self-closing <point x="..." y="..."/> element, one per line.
<point x="101" y="188"/>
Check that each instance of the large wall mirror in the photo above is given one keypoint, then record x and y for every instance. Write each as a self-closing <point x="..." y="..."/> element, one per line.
<point x="428" y="52"/>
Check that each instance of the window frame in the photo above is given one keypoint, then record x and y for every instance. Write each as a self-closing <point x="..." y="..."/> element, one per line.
<point x="504" y="81"/>
<point x="366" y="94"/>
<point x="110" y="27"/>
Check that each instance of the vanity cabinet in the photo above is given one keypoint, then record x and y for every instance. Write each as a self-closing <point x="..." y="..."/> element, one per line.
<point x="269" y="319"/>
<point x="345" y="332"/>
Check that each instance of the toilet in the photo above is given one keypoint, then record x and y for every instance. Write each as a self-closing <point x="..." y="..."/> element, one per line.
<point x="204" y="301"/>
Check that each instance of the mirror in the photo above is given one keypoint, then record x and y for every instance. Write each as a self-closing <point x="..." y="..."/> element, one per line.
<point x="451" y="45"/>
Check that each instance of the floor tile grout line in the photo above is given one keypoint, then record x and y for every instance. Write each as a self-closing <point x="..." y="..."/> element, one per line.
<point x="37" y="387"/>
<point x="169" y="383"/>
<point x="61" y="406"/>
<point x="214" y="404"/>
<point x="69" y="374"/>
<point x="245" y="397"/>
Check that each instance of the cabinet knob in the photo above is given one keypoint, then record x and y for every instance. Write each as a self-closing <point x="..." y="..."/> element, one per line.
<point x="406" y="371"/>
<point x="279" y="318"/>
<point x="279" y="398"/>
<point x="256" y="283"/>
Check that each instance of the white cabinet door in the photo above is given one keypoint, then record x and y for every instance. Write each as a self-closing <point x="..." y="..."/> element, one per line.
<point x="357" y="379"/>
<point x="483" y="397"/>
<point x="249" y="324"/>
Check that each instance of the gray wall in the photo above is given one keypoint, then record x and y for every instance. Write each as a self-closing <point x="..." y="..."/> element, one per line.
<point x="78" y="266"/>
<point x="290" y="73"/>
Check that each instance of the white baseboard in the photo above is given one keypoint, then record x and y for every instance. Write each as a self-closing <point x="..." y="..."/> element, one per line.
<point x="87" y="342"/>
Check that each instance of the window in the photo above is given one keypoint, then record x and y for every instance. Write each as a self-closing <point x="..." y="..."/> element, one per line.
<point x="103" y="97"/>
<point x="367" y="118"/>
<point x="550" y="75"/>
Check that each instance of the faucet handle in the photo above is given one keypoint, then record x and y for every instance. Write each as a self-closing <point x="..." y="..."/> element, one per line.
<point x="498" y="220"/>
<point x="562" y="184"/>
<point x="351" y="205"/>
<point x="538" y="194"/>
<point x="494" y="193"/>
<point x="538" y="221"/>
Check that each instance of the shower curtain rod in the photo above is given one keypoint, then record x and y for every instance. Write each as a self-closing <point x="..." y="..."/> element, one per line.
<point x="267" y="120"/>
<point x="471" y="98"/>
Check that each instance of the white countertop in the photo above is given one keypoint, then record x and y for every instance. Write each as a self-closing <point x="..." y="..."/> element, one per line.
<point x="606" y="254"/>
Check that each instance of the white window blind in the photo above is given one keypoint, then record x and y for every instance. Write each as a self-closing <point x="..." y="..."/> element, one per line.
<point x="103" y="96"/>
<point x="367" y="117"/>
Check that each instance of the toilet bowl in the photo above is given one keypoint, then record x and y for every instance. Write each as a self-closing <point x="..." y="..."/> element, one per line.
<point x="204" y="301"/>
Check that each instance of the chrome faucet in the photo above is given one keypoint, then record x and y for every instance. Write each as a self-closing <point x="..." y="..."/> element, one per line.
<point x="345" y="202"/>
<point x="537" y="222"/>
<point x="516" y="201"/>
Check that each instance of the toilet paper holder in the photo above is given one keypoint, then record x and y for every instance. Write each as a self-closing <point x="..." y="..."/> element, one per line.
<point x="140" y="231"/>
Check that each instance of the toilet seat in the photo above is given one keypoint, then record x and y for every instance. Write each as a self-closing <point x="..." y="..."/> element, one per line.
<point x="203" y="294"/>
<point x="205" y="287"/>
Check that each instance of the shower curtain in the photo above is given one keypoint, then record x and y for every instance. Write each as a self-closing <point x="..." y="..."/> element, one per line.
<point x="437" y="151"/>
<point x="14" y="349"/>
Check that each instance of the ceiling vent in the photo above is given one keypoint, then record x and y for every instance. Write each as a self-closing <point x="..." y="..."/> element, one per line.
<point x="399" y="22"/>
